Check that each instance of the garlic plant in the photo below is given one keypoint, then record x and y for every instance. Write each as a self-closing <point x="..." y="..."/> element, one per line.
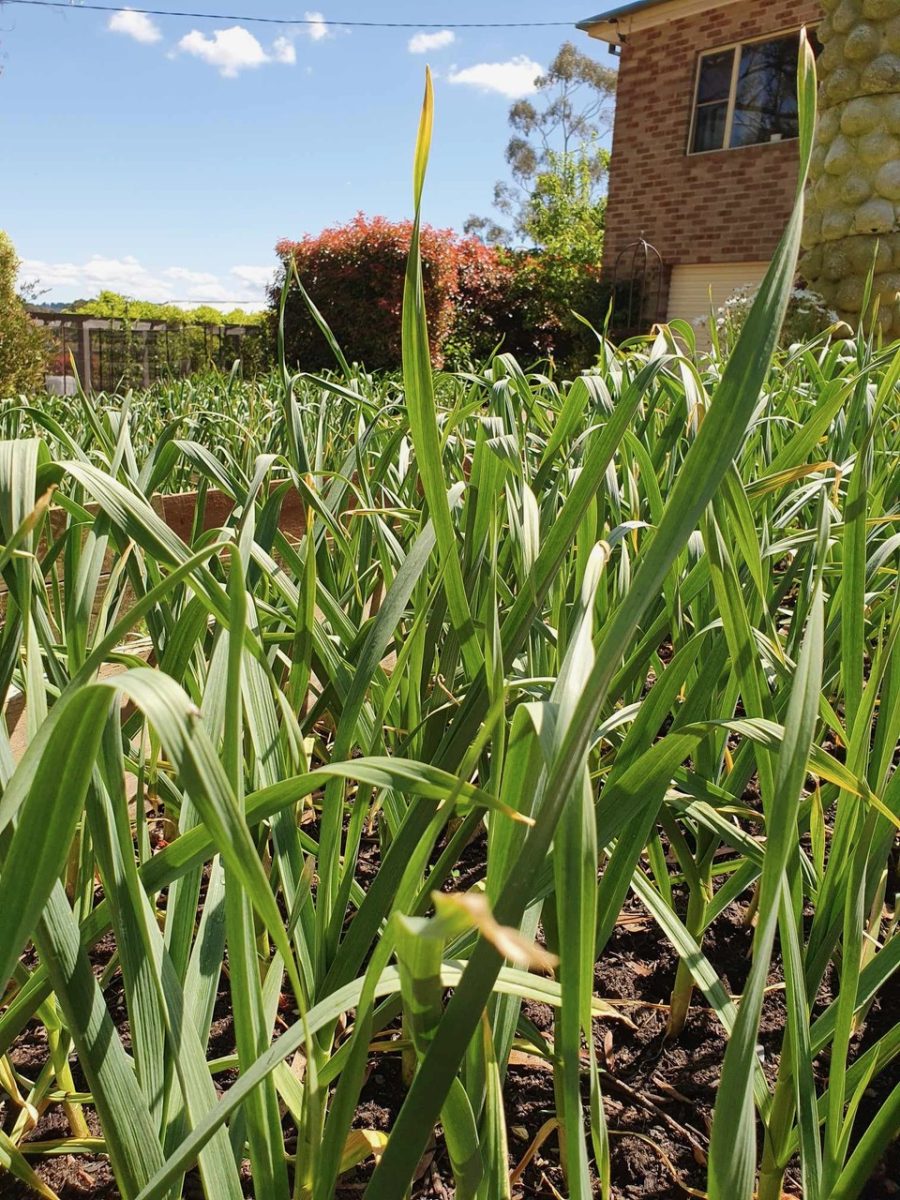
<point x="637" y="632"/>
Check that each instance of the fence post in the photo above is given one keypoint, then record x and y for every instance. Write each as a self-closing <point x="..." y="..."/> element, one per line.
<point x="146" y="361"/>
<point x="86" y="381"/>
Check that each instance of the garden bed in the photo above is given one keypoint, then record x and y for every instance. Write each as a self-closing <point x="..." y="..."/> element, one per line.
<point x="345" y="779"/>
<point x="658" y="1095"/>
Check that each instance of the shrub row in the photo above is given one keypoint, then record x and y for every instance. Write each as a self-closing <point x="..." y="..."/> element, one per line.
<point x="22" y="345"/>
<point x="479" y="297"/>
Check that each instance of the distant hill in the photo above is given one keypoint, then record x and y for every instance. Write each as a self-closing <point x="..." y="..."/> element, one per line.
<point x="58" y="306"/>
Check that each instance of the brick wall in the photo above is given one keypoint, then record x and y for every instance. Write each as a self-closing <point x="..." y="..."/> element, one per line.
<point x="723" y="206"/>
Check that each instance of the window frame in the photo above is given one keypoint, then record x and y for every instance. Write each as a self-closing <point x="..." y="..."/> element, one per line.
<point x="774" y="36"/>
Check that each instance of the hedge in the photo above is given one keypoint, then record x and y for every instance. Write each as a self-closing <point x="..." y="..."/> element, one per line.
<point x="22" y="344"/>
<point x="478" y="297"/>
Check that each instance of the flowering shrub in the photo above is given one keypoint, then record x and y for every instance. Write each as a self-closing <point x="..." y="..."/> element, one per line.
<point x="477" y="297"/>
<point x="807" y="316"/>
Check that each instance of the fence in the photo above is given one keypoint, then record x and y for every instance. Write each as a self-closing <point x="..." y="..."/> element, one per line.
<point x="107" y="354"/>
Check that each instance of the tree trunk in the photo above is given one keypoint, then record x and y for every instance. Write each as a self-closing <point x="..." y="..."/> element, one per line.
<point x="853" y="199"/>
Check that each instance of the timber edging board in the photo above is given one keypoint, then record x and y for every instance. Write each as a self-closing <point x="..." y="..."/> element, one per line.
<point x="179" y="510"/>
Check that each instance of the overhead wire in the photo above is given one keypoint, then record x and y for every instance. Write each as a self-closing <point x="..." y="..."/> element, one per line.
<point x="295" y="21"/>
<point x="318" y="21"/>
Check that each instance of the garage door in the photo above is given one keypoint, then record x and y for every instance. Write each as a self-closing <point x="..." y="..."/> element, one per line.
<point x="692" y="284"/>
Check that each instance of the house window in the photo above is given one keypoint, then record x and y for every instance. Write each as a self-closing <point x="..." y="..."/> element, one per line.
<point x="746" y="95"/>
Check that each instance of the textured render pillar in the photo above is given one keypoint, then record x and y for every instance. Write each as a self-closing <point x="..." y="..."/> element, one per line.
<point x="853" y="199"/>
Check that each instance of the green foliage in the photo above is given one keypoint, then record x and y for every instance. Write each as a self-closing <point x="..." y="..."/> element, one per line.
<point x="232" y="416"/>
<point x="559" y="499"/>
<point x="563" y="213"/>
<point x="191" y="342"/>
<point x="478" y="297"/>
<point x="22" y="345"/>
<point x="564" y="216"/>
<point x="126" y="308"/>
<point x="634" y="635"/>
<point x="554" y="155"/>
<point x="556" y="203"/>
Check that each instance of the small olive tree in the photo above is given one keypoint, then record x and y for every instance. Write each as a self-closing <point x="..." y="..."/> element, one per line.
<point x="21" y="341"/>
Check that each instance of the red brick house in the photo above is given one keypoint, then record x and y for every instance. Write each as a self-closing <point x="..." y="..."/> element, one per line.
<point x="704" y="154"/>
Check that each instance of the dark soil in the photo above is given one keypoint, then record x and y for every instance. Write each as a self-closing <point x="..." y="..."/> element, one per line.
<point x="658" y="1096"/>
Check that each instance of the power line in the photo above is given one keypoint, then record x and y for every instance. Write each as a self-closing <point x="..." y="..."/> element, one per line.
<point x="205" y="16"/>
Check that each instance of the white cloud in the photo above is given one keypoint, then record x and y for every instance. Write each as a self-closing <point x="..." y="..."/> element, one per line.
<point x="176" y="284"/>
<point x="512" y="79"/>
<point x="192" y="278"/>
<point x="99" y="272"/>
<point x="317" y="29"/>
<point x="234" y="50"/>
<point x="134" y="25"/>
<point x="256" y="277"/>
<point x="283" y="51"/>
<point x="213" y="294"/>
<point x="421" y="43"/>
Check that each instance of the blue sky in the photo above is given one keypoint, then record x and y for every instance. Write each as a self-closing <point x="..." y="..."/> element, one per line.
<point x="164" y="157"/>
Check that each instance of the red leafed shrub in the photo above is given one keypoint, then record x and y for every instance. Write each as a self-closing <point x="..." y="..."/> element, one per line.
<point x="497" y="306"/>
<point x="354" y="274"/>
<point x="477" y="297"/>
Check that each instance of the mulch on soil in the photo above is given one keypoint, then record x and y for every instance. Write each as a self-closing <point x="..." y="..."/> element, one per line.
<point x="658" y="1096"/>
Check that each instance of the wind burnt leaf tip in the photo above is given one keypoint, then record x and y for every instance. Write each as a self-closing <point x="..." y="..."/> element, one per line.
<point x="509" y="942"/>
<point x="491" y="802"/>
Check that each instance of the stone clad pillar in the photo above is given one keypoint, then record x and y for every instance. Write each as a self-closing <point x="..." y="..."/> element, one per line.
<point x="853" y="198"/>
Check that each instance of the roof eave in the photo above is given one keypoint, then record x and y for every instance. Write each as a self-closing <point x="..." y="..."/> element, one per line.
<point x="600" y="28"/>
<point x="611" y="15"/>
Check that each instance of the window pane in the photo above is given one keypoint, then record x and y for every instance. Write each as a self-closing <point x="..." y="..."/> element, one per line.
<point x="715" y="76"/>
<point x="765" y="107"/>
<point x="709" y="127"/>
